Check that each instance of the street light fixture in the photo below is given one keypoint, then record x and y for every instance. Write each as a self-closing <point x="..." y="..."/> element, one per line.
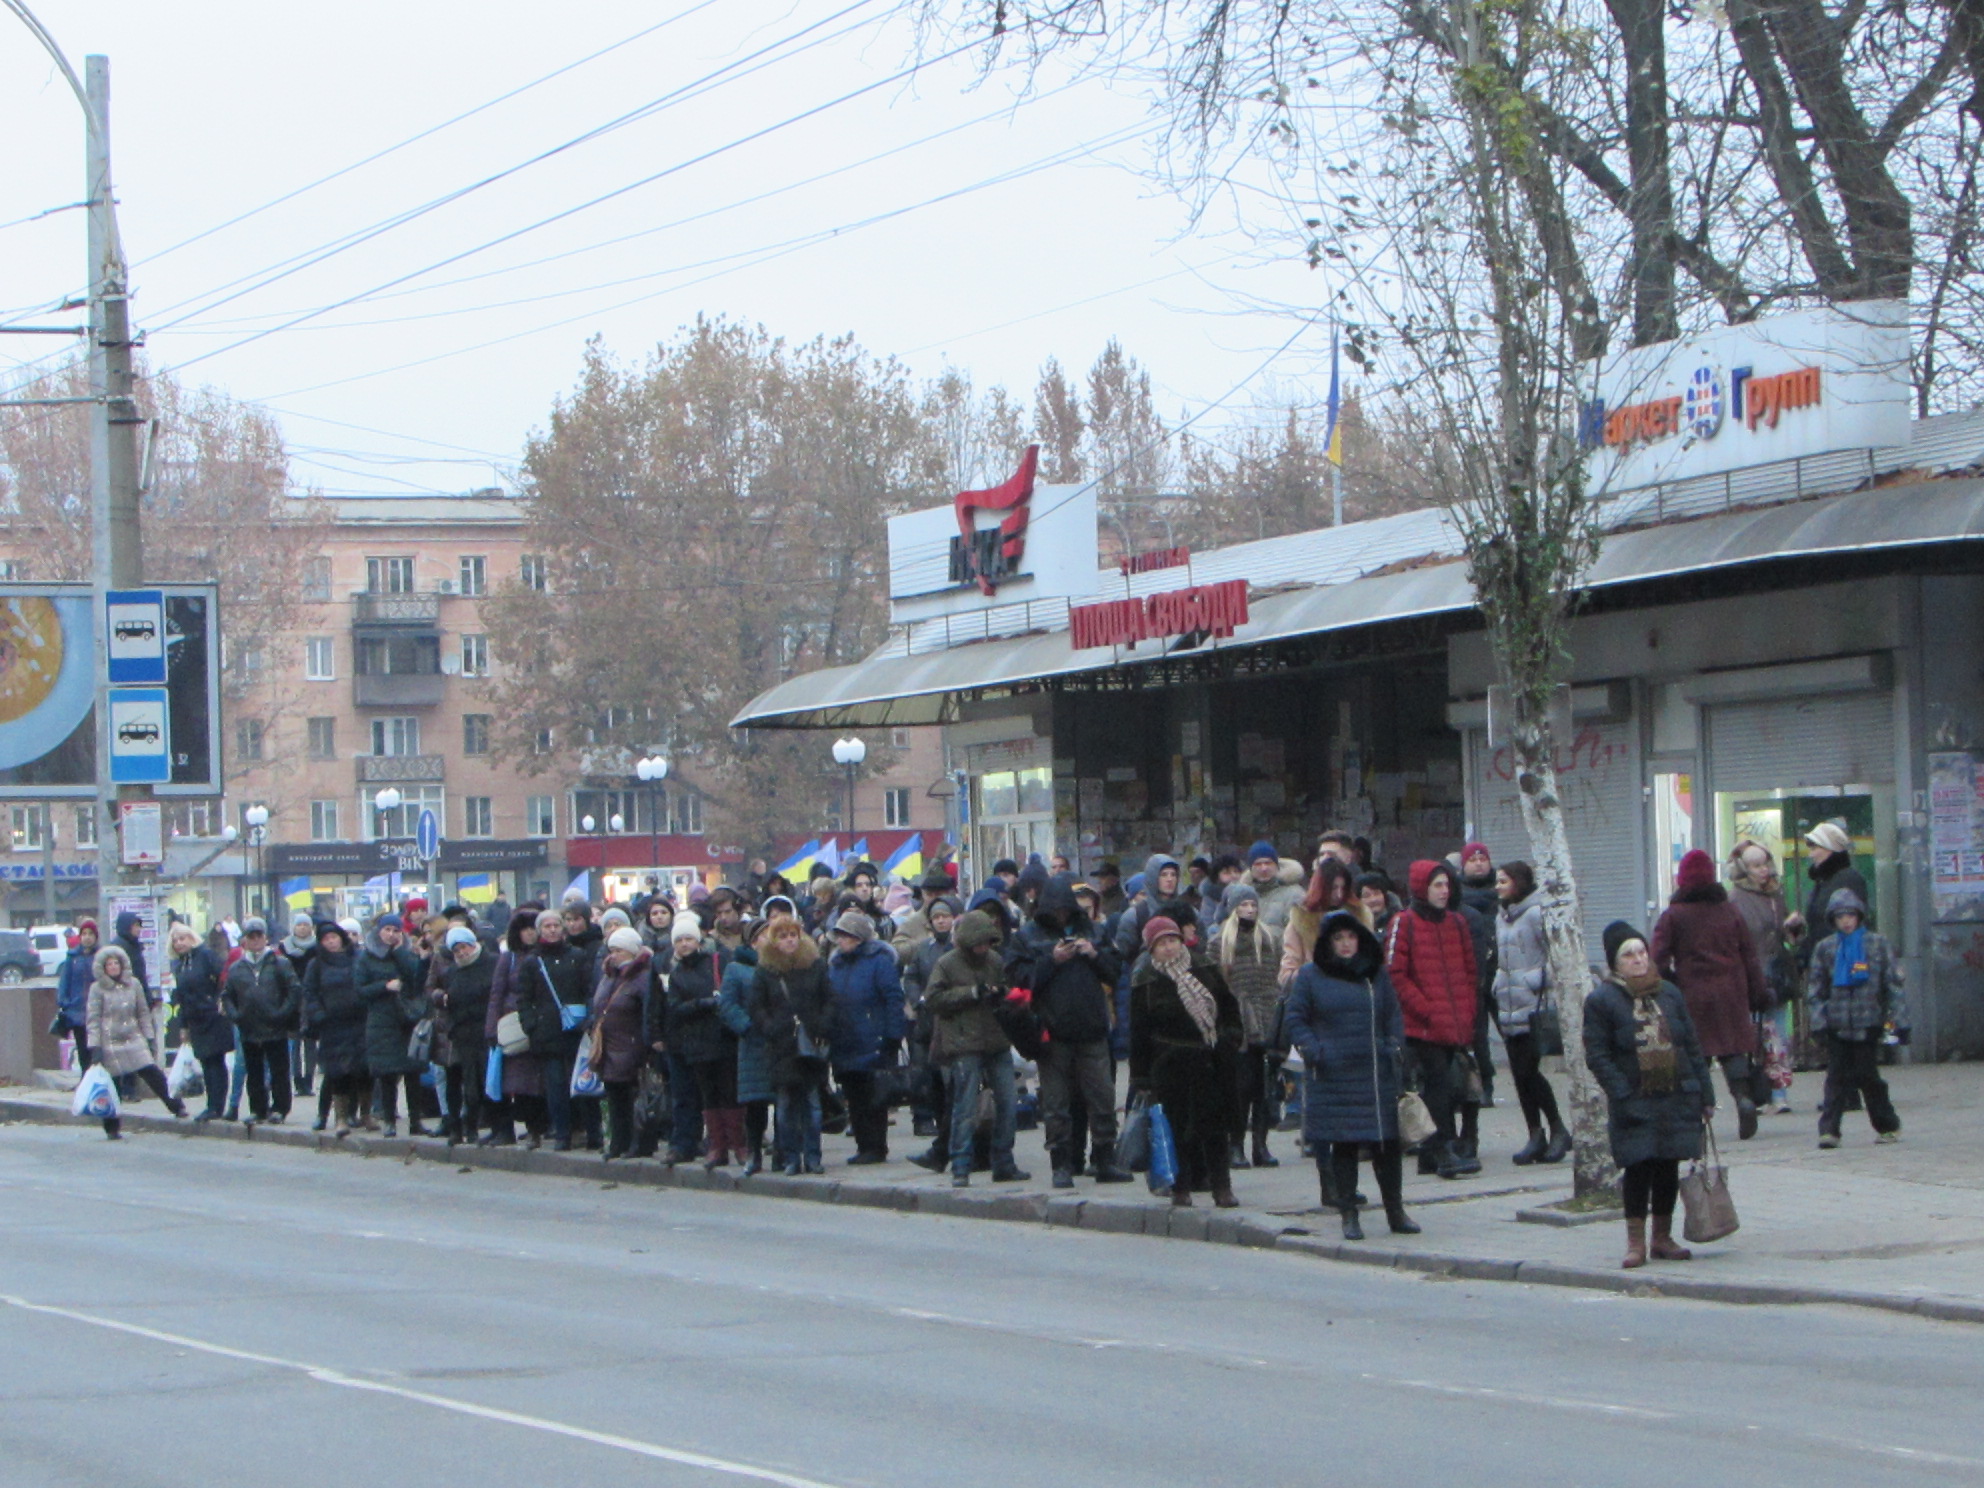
<point x="586" y="824"/>
<point x="387" y="799"/>
<point x="616" y="823"/>
<point x="652" y="769"/>
<point x="850" y="752"/>
<point x="257" y="818"/>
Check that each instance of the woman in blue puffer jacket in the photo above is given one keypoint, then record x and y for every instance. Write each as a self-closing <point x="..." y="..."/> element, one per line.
<point x="866" y="982"/>
<point x="72" y="991"/>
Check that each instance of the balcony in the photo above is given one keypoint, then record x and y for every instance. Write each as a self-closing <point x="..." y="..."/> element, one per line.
<point x="398" y="689"/>
<point x="396" y="609"/>
<point x="400" y="769"/>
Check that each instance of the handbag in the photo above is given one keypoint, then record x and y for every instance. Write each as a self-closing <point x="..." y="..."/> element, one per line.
<point x="1711" y="1212"/>
<point x="1415" y="1122"/>
<point x="1547" y="1029"/>
<point x="510" y="1035"/>
<point x="1163" y="1174"/>
<point x="1472" y="1091"/>
<point x="1133" y="1144"/>
<point x="570" y="1014"/>
<point x="420" y="1043"/>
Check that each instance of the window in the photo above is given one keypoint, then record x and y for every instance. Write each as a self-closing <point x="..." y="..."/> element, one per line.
<point x="403" y="818"/>
<point x="324" y="821"/>
<point x="475" y="577"/>
<point x="12" y="571"/>
<point x="475" y="656"/>
<point x="317" y="580"/>
<point x="543" y="743"/>
<point x="895" y="806"/>
<point x="320" y="659"/>
<point x="248" y="739"/>
<point x="398" y="656"/>
<point x="603" y="806"/>
<point x="86" y="826"/>
<point x="899" y="738"/>
<point x="323" y="738"/>
<point x="389" y="575"/>
<point x="396" y="736"/>
<point x="27" y="829"/>
<point x="533" y="572"/>
<point x="540" y="817"/>
<point x="475" y="733"/>
<point x="248" y="664"/>
<point x="478" y="816"/>
<point x="689" y="813"/>
<point x="195" y="819"/>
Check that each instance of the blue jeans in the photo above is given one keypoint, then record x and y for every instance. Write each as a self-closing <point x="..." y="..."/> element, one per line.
<point x="963" y="1078"/>
<point x="798" y="1124"/>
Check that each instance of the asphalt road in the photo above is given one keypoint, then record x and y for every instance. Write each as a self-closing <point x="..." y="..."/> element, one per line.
<point x="175" y="1311"/>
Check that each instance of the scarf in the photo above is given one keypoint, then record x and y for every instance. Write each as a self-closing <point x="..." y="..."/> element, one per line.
<point x="1653" y="1042"/>
<point x="1849" y="959"/>
<point x="1192" y="992"/>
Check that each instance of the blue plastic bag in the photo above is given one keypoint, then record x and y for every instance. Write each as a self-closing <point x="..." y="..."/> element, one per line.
<point x="1163" y="1152"/>
<point x="96" y="1095"/>
<point x="492" y="1079"/>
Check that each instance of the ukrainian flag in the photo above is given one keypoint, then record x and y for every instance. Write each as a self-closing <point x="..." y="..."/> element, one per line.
<point x="1333" y="438"/>
<point x="798" y="862"/>
<point x="475" y="888"/>
<point x="907" y="860"/>
<point x="296" y="893"/>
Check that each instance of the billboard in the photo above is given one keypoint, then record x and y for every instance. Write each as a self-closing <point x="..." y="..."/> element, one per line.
<point x="48" y="665"/>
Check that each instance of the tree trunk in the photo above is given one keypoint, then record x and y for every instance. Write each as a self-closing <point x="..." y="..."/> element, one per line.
<point x="1570" y="968"/>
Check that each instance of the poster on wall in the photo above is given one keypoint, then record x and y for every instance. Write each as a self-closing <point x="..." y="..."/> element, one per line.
<point x="1956" y="835"/>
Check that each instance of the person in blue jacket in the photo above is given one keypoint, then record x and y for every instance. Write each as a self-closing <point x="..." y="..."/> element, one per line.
<point x="72" y="991"/>
<point x="866" y="982"/>
<point x="1344" y="1016"/>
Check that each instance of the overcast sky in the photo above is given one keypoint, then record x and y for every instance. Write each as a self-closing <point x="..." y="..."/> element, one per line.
<point x="452" y="349"/>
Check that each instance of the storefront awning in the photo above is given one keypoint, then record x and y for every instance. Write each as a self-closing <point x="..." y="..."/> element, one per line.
<point x="897" y="691"/>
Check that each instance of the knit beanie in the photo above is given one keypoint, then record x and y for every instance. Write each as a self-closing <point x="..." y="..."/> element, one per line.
<point x="623" y="939"/>
<point x="686" y="927"/>
<point x="461" y="935"/>
<point x="1262" y="849"/>
<point x="1616" y="935"/>
<point x="1156" y="927"/>
<point x="1831" y="836"/>
<point x="1696" y="870"/>
<point x="856" y="924"/>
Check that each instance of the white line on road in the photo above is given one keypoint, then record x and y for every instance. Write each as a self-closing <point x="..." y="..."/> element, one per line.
<point x="327" y="1376"/>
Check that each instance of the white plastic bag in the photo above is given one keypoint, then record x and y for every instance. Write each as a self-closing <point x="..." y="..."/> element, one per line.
<point x="184" y="1075"/>
<point x="96" y="1095"/>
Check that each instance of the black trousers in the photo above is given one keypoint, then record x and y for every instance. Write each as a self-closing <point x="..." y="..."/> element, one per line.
<point x="716" y="1083"/>
<point x="1533" y="1092"/>
<point x="1652" y="1183"/>
<point x="1435" y="1063"/>
<point x="154" y="1077"/>
<point x="1387" y="1166"/>
<point x="268" y="1076"/>
<point x="1855" y="1065"/>
<point x="389" y="1097"/>
<point x="466" y="1099"/>
<point x="214" y="1073"/>
<point x="757" y="1121"/>
<point x="1260" y="1093"/>
<point x="620" y="1116"/>
<point x="868" y="1121"/>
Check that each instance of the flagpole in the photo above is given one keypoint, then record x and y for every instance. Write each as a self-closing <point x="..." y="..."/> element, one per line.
<point x="1336" y="495"/>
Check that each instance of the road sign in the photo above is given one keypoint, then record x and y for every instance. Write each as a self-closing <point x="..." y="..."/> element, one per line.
<point x="136" y="621"/>
<point x="427" y="835"/>
<point x="140" y="750"/>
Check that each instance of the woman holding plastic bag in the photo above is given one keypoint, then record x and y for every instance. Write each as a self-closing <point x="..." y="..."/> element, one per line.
<point x="121" y="1031"/>
<point x="196" y="989"/>
<point x="1185" y="1039"/>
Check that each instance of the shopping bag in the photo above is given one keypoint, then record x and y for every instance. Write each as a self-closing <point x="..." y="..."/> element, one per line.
<point x="585" y="1081"/>
<point x="492" y="1076"/>
<point x="420" y="1043"/>
<point x="1415" y="1122"/>
<point x="1711" y="1212"/>
<point x="96" y="1095"/>
<point x="184" y="1078"/>
<point x="1133" y="1146"/>
<point x="1163" y="1172"/>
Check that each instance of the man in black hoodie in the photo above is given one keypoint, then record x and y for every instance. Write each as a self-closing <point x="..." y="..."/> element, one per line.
<point x="1055" y="956"/>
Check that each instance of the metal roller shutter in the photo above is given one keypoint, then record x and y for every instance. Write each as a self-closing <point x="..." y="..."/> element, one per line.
<point x="1783" y="743"/>
<point x="1598" y="777"/>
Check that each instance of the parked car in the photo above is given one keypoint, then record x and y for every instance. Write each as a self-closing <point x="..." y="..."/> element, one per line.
<point x="18" y="961"/>
<point x="51" y="943"/>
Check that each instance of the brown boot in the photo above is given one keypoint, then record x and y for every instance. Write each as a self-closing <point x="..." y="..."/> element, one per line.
<point x="1224" y="1198"/>
<point x="343" y="1104"/>
<point x="1663" y="1247"/>
<point x="1181" y="1197"/>
<point x="1635" y="1245"/>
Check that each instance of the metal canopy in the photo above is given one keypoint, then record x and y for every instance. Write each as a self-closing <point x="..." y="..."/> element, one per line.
<point x="923" y="689"/>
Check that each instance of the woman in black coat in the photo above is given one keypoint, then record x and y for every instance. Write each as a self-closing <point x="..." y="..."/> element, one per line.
<point x="1642" y="1049"/>
<point x="1185" y="1040"/>
<point x="557" y="975"/>
<point x="196" y="978"/>
<point x="394" y="988"/>
<point x="697" y="1035"/>
<point x="1344" y="1016"/>
<point x="792" y="1008"/>
<point x="334" y="1015"/>
<point x="461" y="1003"/>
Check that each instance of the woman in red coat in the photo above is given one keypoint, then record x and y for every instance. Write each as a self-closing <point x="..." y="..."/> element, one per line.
<point x="1431" y="959"/>
<point x="1702" y="946"/>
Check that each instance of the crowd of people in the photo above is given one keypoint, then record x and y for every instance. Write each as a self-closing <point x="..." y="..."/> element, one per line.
<point x="1243" y="995"/>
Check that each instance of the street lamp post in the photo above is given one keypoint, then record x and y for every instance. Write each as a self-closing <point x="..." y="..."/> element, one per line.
<point x="652" y="770"/>
<point x="850" y="752"/>
<point x="257" y="818"/>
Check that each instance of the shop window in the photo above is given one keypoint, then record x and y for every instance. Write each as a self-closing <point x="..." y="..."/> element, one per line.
<point x="540" y="817"/>
<point x="324" y="821"/>
<point x="1036" y="790"/>
<point x="320" y="659"/>
<point x="478" y="816"/>
<point x="474" y="579"/>
<point x="317" y="580"/>
<point x="389" y="575"/>
<point x="999" y="793"/>
<point x="895" y="806"/>
<point x="396" y="736"/>
<point x="475" y="733"/>
<point x="323" y="738"/>
<point x="86" y="826"/>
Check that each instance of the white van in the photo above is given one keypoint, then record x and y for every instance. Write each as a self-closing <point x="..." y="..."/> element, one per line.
<point x="51" y="943"/>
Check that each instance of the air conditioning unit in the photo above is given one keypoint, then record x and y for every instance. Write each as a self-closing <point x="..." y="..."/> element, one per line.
<point x="447" y="586"/>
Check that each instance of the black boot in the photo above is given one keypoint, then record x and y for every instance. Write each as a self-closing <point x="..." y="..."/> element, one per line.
<point x="1064" y="1176"/>
<point x="1328" y="1181"/>
<point x="1353" y="1227"/>
<point x="1391" y="1188"/>
<point x="1560" y="1144"/>
<point x="1262" y="1157"/>
<point x="1533" y="1149"/>
<point x="1236" y="1155"/>
<point x="1106" y="1170"/>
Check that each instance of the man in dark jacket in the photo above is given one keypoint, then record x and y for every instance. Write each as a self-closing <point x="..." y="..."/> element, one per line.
<point x="261" y="996"/>
<point x="966" y="987"/>
<point x="866" y="982"/>
<point x="128" y="925"/>
<point x="1055" y="956"/>
<point x="1160" y="888"/>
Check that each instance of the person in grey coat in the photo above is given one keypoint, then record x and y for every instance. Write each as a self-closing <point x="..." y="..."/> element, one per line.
<point x="1854" y="989"/>
<point x="1641" y="1046"/>
<point x="1344" y="1016"/>
<point x="1522" y="990"/>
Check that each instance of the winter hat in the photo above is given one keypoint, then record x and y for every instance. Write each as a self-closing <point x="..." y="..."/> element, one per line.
<point x="1831" y="836"/>
<point x="1134" y="885"/>
<point x="623" y="939"/>
<point x="699" y="895"/>
<point x="614" y="919"/>
<point x="459" y="936"/>
<point x="1474" y="849"/>
<point x="1845" y="901"/>
<point x="1695" y="871"/>
<point x="349" y="924"/>
<point x="1617" y="934"/>
<point x="386" y="921"/>
<point x="936" y="880"/>
<point x="1262" y="849"/>
<point x="415" y="905"/>
<point x="254" y="925"/>
<point x="974" y="930"/>
<point x="686" y="927"/>
<point x="1156" y="927"/>
<point x="1006" y="868"/>
<point x="856" y="924"/>
<point x="778" y="904"/>
<point x="1236" y="895"/>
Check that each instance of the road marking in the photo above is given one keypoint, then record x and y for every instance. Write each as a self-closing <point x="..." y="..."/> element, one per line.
<point x="324" y="1375"/>
<point x="1554" y="1402"/>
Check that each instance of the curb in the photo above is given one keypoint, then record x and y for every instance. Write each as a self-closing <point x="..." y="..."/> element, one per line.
<point x="1071" y="1211"/>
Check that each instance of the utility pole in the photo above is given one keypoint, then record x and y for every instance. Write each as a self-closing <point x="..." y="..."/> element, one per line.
<point x="118" y="542"/>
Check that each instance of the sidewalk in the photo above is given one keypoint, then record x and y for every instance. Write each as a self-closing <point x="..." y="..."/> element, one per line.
<point x="1900" y="1228"/>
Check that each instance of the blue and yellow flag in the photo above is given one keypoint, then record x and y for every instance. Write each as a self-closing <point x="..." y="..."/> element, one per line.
<point x="907" y="860"/>
<point x="475" y="888"/>
<point x="1333" y="439"/>
<point x="801" y="860"/>
<point x="296" y="893"/>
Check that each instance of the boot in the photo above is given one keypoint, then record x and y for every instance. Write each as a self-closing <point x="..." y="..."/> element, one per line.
<point x="1533" y="1149"/>
<point x="1391" y="1188"/>
<point x="1262" y="1157"/>
<point x="1353" y="1227"/>
<point x="1011" y="1172"/>
<point x="1663" y="1247"/>
<point x="1064" y="1176"/>
<point x="1429" y="1157"/>
<point x="344" y="1104"/>
<point x="1236" y="1155"/>
<point x="1453" y="1163"/>
<point x="718" y="1127"/>
<point x="1746" y="1118"/>
<point x="1327" y="1178"/>
<point x="754" y="1163"/>
<point x="1635" y="1245"/>
<point x="1106" y="1170"/>
<point x="1560" y="1144"/>
<point x="1225" y="1198"/>
<point x="1181" y="1197"/>
<point x="932" y="1161"/>
<point x="176" y="1106"/>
